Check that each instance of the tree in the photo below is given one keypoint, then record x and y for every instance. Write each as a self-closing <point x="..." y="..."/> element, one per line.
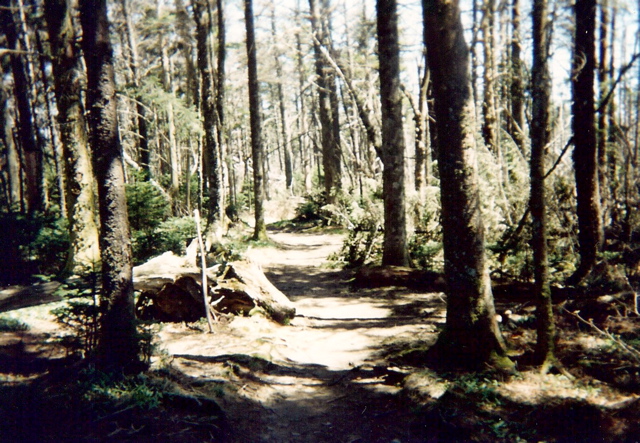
<point x="517" y="118"/>
<point x="471" y="337"/>
<point x="202" y="17"/>
<point x="118" y="345"/>
<point x="257" y="150"/>
<point x="80" y="180"/>
<point x="26" y="126"/>
<point x="327" y="100"/>
<point x="393" y="146"/>
<point x="590" y="227"/>
<point x="540" y="137"/>
<point x="144" y="154"/>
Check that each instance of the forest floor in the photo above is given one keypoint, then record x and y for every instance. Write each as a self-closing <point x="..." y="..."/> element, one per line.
<point x="346" y="369"/>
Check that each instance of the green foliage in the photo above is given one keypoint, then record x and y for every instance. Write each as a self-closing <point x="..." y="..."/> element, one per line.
<point x="312" y="208"/>
<point x="425" y="244"/>
<point x="364" y="240"/>
<point x="153" y="231"/>
<point x="146" y="205"/>
<point x="112" y="390"/>
<point x="80" y="315"/>
<point x="31" y="244"/>
<point x="8" y="324"/>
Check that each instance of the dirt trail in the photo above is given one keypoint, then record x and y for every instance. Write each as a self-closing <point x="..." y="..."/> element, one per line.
<point x="321" y="378"/>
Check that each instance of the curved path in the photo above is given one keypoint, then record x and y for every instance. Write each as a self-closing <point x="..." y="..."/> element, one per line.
<point x="322" y="378"/>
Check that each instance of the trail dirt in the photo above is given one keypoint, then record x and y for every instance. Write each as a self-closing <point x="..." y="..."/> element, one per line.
<point x="323" y="377"/>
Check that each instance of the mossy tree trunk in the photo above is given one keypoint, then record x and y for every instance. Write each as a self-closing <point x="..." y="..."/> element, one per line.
<point x="393" y="145"/>
<point x="203" y="17"/>
<point x="471" y="338"/>
<point x="540" y="137"/>
<point x="118" y="344"/>
<point x="257" y="150"/>
<point x="26" y="130"/>
<point x="590" y="228"/>
<point x="81" y="191"/>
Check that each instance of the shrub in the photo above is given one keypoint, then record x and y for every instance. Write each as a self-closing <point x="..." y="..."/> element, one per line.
<point x="31" y="244"/>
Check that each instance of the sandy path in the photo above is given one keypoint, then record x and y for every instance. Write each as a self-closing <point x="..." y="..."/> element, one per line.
<point x="322" y="377"/>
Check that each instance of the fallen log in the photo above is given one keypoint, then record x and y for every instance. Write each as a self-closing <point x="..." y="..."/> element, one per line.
<point x="244" y="287"/>
<point x="171" y="291"/>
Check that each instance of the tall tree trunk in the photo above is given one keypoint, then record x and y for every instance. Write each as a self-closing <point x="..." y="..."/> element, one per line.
<point x="14" y="183"/>
<point x="174" y="158"/>
<point x="327" y="101"/>
<point x="257" y="150"/>
<point x="517" y="84"/>
<point x="591" y="234"/>
<point x="221" y="57"/>
<point x="490" y="121"/>
<point x="540" y="136"/>
<point x="211" y="161"/>
<point x="604" y="77"/>
<point x="305" y="151"/>
<point x="393" y="146"/>
<point x="471" y="337"/>
<point x="144" y="154"/>
<point x="26" y="124"/>
<point x="118" y="345"/>
<point x="80" y="180"/>
<point x="286" y="144"/>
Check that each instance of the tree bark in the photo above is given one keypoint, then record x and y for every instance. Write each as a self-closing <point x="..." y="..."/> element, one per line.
<point x="327" y="102"/>
<point x="393" y="146"/>
<point x="13" y="182"/>
<point x="286" y="145"/>
<point x="490" y="121"/>
<point x="540" y="137"/>
<point x="517" y="84"/>
<point x="211" y="161"/>
<point x="257" y="150"/>
<point x="144" y="154"/>
<point x="26" y="125"/>
<point x="604" y="78"/>
<point x="118" y="345"/>
<point x="591" y="234"/>
<point x="471" y="338"/>
<point x="84" y="255"/>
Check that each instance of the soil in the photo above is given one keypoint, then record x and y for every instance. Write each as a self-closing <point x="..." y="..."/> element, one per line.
<point x="346" y="369"/>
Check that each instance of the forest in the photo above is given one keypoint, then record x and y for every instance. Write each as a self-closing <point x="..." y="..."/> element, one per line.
<point x="467" y="171"/>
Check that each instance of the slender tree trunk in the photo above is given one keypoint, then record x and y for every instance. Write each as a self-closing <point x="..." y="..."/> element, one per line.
<point x="144" y="154"/>
<point x="490" y="121"/>
<point x="257" y="150"/>
<point x="211" y="162"/>
<point x="221" y="57"/>
<point x="14" y="184"/>
<point x="286" y="145"/>
<point x="471" y="337"/>
<point x="26" y="129"/>
<point x="81" y="191"/>
<point x="393" y="146"/>
<point x="604" y="77"/>
<point x="174" y="159"/>
<point x="327" y="102"/>
<point x="422" y="167"/>
<point x="517" y="84"/>
<point x="118" y="345"/>
<point x="591" y="234"/>
<point x="305" y="152"/>
<point x="540" y="137"/>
